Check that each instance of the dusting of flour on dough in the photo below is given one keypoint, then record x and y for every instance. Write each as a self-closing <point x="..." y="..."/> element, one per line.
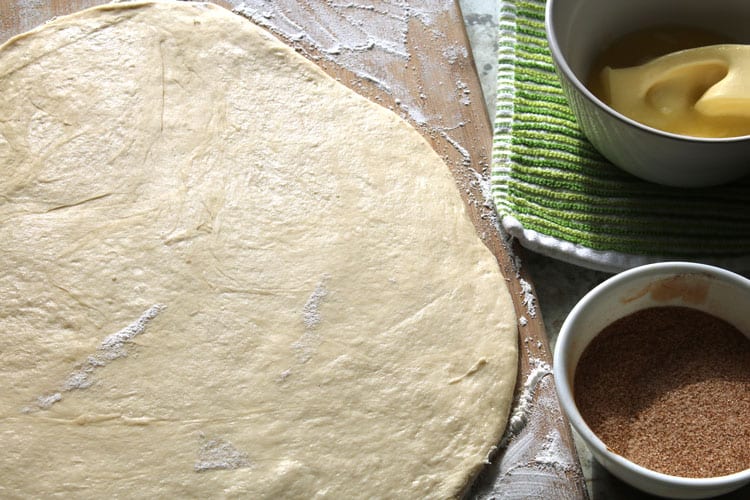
<point x="306" y="345"/>
<point x="113" y="346"/>
<point x="45" y="402"/>
<point x="218" y="454"/>
<point x="311" y="313"/>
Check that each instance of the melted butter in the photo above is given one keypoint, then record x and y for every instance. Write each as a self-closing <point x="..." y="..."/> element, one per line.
<point x="645" y="45"/>
<point x="682" y="80"/>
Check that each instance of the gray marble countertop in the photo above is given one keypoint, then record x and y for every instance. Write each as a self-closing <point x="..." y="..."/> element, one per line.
<point x="558" y="285"/>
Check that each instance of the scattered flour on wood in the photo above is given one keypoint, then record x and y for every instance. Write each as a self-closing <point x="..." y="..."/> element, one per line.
<point x="464" y="93"/>
<point x="552" y="451"/>
<point x="534" y="457"/>
<point x="466" y="161"/>
<point x="337" y="40"/>
<point x="453" y="53"/>
<point x="529" y="300"/>
<point x="520" y="414"/>
<point x="367" y="40"/>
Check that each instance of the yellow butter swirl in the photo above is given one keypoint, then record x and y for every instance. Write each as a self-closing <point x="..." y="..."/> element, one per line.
<point x="702" y="92"/>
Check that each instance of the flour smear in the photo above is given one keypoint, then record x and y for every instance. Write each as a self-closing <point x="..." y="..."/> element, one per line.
<point x="371" y="41"/>
<point x="114" y="346"/>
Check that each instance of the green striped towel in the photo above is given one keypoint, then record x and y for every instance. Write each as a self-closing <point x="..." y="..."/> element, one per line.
<point x="557" y="195"/>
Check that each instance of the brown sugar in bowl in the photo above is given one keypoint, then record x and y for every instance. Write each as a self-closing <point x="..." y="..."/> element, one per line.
<point x="654" y="369"/>
<point x="669" y="389"/>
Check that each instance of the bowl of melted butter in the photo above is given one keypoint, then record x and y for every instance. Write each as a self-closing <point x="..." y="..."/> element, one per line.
<point x="661" y="89"/>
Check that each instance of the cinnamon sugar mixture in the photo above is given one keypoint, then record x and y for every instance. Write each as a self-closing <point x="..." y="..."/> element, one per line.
<point x="669" y="389"/>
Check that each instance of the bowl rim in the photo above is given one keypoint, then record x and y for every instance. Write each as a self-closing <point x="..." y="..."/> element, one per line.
<point x="564" y="385"/>
<point x="562" y="64"/>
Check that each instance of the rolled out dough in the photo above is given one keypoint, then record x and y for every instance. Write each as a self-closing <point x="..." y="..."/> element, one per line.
<point x="226" y="274"/>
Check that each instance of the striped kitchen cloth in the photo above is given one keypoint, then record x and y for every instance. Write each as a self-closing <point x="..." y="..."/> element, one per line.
<point x="558" y="196"/>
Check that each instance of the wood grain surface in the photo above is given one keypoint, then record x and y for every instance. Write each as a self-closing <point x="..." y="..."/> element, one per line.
<point x="413" y="57"/>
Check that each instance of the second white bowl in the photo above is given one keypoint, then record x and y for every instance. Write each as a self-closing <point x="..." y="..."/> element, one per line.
<point x="709" y="289"/>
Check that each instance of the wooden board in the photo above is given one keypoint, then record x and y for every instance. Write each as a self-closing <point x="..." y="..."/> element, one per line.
<point x="413" y="57"/>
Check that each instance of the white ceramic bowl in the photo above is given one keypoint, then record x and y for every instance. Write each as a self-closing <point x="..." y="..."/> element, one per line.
<point x="727" y="296"/>
<point x="578" y="30"/>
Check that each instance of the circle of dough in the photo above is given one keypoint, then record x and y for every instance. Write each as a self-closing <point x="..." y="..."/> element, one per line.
<point x="224" y="273"/>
